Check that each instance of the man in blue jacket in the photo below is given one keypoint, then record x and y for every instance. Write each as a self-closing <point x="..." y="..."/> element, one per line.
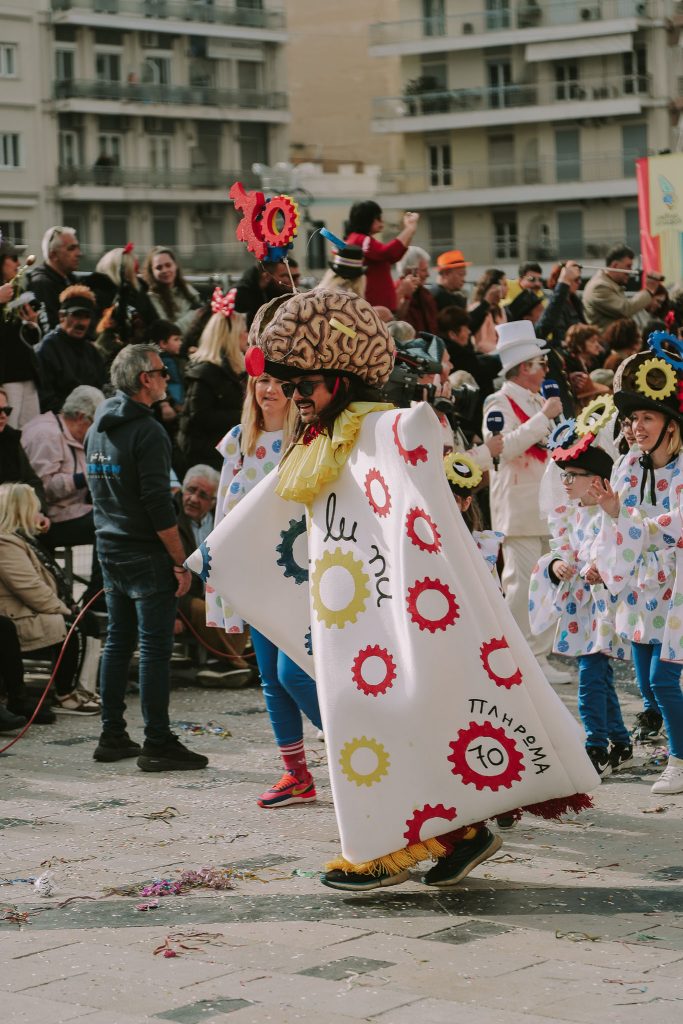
<point x="129" y="465"/>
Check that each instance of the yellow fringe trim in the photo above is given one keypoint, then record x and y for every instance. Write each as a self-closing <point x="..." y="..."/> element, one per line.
<point x="394" y="863"/>
<point x="308" y="468"/>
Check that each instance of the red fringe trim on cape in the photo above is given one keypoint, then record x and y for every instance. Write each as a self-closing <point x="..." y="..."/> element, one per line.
<point x="554" y="809"/>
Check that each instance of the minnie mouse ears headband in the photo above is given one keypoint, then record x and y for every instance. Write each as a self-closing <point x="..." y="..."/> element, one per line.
<point x="224" y="304"/>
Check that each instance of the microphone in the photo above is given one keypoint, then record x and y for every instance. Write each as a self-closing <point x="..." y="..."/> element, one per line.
<point x="495" y="421"/>
<point x="551" y="389"/>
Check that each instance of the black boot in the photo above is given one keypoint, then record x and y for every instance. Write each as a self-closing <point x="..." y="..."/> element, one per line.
<point x="169" y="756"/>
<point x="9" y="723"/>
<point x="112" y="747"/>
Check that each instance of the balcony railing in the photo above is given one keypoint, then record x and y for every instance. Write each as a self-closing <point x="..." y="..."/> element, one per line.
<point x="520" y="14"/>
<point x="460" y="177"/>
<point x="141" y="177"/>
<point x="485" y="252"/>
<point x="461" y="101"/>
<point x="192" y="95"/>
<point x="202" y="11"/>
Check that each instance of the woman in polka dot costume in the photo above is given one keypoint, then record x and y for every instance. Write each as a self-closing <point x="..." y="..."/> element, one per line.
<point x="559" y="592"/>
<point x="250" y="451"/>
<point x="639" y="545"/>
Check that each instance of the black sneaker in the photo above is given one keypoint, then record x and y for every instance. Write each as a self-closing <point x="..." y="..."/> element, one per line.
<point x="9" y="723"/>
<point x="506" y="821"/>
<point x="648" y="726"/>
<point x="467" y="855"/>
<point x="600" y="759"/>
<point x="620" y="756"/>
<point x="361" y="883"/>
<point x="113" y="747"/>
<point x="170" y="756"/>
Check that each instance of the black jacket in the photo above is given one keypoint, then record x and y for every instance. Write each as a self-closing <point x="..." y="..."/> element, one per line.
<point x="213" y="404"/>
<point x="18" y="360"/>
<point x="250" y="296"/>
<point x="48" y="285"/>
<point x="65" y="363"/>
<point x="14" y="465"/>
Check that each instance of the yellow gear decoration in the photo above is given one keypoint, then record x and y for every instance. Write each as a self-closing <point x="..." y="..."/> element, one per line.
<point x="350" y="748"/>
<point x="595" y="415"/>
<point x="361" y="592"/>
<point x="670" y="379"/>
<point x="470" y="479"/>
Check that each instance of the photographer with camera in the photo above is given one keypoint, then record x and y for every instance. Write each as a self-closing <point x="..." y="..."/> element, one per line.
<point x="19" y="332"/>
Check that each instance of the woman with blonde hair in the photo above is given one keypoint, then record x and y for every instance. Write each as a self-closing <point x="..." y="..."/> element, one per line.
<point x="121" y="292"/>
<point x="214" y="383"/>
<point x="250" y="451"/>
<point x="172" y="297"/>
<point x="35" y="596"/>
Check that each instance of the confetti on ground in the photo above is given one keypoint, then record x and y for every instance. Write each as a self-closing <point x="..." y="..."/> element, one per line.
<point x="577" y="936"/>
<point x="178" y="943"/>
<point x="654" y="810"/>
<point x="166" y="815"/>
<point x="18" y="881"/>
<point x="209" y="729"/>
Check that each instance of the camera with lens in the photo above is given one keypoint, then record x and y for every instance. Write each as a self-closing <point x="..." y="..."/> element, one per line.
<point x="416" y="359"/>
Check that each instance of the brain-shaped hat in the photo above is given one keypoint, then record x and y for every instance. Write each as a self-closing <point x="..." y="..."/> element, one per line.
<point x="321" y="332"/>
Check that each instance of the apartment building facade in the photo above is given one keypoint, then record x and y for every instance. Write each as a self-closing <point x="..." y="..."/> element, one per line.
<point x="522" y="119"/>
<point x="148" y="110"/>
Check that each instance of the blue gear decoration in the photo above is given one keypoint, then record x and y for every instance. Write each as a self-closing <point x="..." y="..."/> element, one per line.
<point x="655" y="341"/>
<point x="308" y="642"/>
<point x="206" y="561"/>
<point x="285" y="549"/>
<point x="562" y="436"/>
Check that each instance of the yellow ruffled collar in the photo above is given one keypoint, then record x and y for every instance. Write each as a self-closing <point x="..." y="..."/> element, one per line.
<point x="308" y="468"/>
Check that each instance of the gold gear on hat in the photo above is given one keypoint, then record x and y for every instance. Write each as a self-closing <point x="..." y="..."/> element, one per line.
<point x="381" y="768"/>
<point x="346" y="561"/>
<point x="595" y="415"/>
<point x="644" y="385"/>
<point x="452" y="464"/>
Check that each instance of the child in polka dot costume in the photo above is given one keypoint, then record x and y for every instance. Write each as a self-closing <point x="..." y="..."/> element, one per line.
<point x="584" y="611"/>
<point x="250" y="452"/>
<point x="638" y="554"/>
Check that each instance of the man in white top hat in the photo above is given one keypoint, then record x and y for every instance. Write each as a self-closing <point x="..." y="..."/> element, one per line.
<point x="514" y="488"/>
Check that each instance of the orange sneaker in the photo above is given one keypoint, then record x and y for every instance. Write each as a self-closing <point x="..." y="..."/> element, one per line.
<point x="289" y="790"/>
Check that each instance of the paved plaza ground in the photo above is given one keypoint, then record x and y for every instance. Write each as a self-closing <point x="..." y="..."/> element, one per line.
<point x="578" y="921"/>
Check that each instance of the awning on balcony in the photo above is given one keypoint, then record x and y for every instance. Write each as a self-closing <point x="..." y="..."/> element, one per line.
<point x="593" y="46"/>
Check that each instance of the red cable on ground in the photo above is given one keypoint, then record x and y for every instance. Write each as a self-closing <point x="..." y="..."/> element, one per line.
<point x="207" y="647"/>
<point x="54" y="670"/>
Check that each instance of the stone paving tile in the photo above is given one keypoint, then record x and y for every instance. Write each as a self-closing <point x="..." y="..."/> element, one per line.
<point x="355" y="998"/>
<point x="29" y="1009"/>
<point x="203" y="1010"/>
<point x="347" y="967"/>
<point x="444" y="1011"/>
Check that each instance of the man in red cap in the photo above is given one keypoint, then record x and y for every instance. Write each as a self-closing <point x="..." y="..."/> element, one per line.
<point x="450" y="271"/>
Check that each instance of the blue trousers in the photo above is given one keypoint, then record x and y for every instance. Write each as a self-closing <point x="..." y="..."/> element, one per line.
<point x="662" y="680"/>
<point x="287" y="691"/>
<point x="141" y="606"/>
<point x="598" y="702"/>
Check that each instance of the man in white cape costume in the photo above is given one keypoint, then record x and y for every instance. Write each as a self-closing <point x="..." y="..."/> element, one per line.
<point x="436" y="714"/>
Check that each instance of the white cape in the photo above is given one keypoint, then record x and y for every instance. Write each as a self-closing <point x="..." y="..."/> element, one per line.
<point x="435" y="712"/>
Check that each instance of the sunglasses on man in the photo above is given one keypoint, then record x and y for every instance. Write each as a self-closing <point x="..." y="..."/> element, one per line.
<point x="304" y="387"/>
<point x="6" y="410"/>
<point x="163" y="372"/>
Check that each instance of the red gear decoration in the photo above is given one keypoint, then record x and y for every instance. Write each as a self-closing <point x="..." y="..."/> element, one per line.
<point x="373" y="690"/>
<point x="435" y="544"/>
<point x="249" y="229"/>
<point x="485" y="652"/>
<point x="412" y="456"/>
<point x="511" y="773"/>
<point x="578" y="448"/>
<point x="427" y="813"/>
<point x="380" y="510"/>
<point x="287" y="207"/>
<point x="446" y="620"/>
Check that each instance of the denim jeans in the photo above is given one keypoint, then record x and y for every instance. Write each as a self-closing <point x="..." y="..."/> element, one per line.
<point x="598" y="702"/>
<point x="663" y="679"/>
<point x="141" y="607"/>
<point x="287" y="691"/>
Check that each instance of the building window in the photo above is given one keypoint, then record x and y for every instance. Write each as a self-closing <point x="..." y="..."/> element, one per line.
<point x="567" y="82"/>
<point x="253" y="143"/>
<point x="434" y="17"/>
<point x="497" y="14"/>
<point x="570" y="234"/>
<point x="506" y="237"/>
<point x="440" y="164"/>
<point x="440" y="231"/>
<point x="108" y="67"/>
<point x="567" y="154"/>
<point x="635" y="71"/>
<point x="8" y="60"/>
<point x="64" y="65"/>
<point x="13" y="230"/>
<point x="69" y="149"/>
<point x="164" y="226"/>
<point x="10" y="150"/>
<point x="156" y="70"/>
<point x="632" y="228"/>
<point x="499" y="74"/>
<point x="501" y="160"/>
<point x="109" y="149"/>
<point x="114" y="226"/>
<point x="633" y="146"/>
<point x="160" y="152"/>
